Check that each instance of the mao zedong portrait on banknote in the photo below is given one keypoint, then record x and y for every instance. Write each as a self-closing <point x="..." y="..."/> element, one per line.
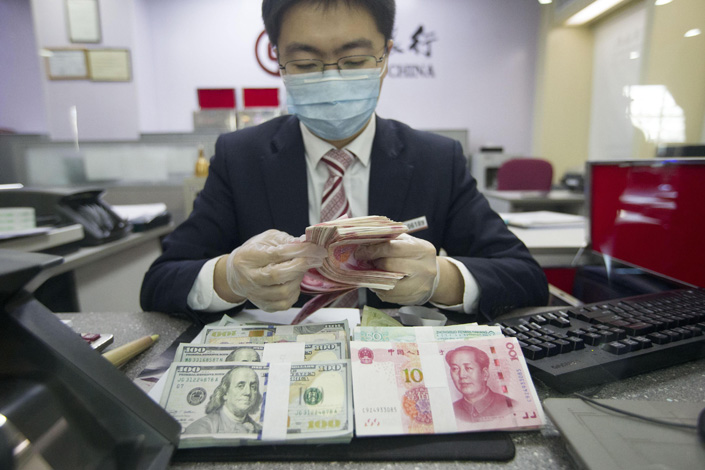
<point x="231" y="404"/>
<point x="469" y="370"/>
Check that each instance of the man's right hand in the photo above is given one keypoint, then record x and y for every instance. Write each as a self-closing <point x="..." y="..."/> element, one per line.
<point x="266" y="270"/>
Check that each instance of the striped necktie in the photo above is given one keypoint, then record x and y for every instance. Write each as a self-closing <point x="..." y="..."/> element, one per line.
<point x="334" y="203"/>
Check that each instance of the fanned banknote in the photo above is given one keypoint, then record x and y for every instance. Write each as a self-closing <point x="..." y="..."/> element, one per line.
<point x="442" y="387"/>
<point x="414" y="334"/>
<point x="341" y="271"/>
<point x="267" y="352"/>
<point x="232" y="404"/>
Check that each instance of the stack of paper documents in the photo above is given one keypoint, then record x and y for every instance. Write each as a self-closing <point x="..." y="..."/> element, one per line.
<point x="140" y="213"/>
<point x="543" y="219"/>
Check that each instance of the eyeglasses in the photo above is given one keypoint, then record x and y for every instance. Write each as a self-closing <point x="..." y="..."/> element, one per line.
<point x="344" y="64"/>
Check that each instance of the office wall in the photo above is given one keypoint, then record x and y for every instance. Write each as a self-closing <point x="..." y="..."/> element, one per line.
<point x="21" y="94"/>
<point x="563" y="96"/>
<point x="457" y="64"/>
<point x="473" y="66"/>
<point x="675" y="65"/>
<point x="620" y="44"/>
<point x="485" y="65"/>
<point x="630" y="81"/>
<point x="105" y="110"/>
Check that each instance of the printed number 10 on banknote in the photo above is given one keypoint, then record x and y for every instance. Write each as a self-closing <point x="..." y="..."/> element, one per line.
<point x="442" y="387"/>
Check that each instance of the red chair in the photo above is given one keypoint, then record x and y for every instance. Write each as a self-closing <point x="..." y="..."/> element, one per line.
<point x="525" y="174"/>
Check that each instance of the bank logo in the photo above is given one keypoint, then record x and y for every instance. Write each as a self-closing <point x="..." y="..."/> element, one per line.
<point x="264" y="53"/>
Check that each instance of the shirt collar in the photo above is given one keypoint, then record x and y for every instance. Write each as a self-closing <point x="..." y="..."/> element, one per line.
<point x="316" y="147"/>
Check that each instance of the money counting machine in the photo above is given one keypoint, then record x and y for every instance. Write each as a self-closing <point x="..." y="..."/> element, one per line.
<point x="62" y="405"/>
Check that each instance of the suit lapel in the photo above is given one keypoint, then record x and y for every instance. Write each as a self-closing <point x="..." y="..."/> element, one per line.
<point x="284" y="170"/>
<point x="390" y="173"/>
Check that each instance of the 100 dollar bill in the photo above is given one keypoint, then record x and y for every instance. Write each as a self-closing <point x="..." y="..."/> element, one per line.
<point x="266" y="352"/>
<point x="405" y="334"/>
<point x="334" y="331"/>
<point x="230" y="404"/>
<point x="442" y="387"/>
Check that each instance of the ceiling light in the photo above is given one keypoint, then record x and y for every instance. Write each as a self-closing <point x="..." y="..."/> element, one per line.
<point x="658" y="3"/>
<point x="545" y="2"/>
<point x="634" y="55"/>
<point x="692" y="32"/>
<point x="592" y="11"/>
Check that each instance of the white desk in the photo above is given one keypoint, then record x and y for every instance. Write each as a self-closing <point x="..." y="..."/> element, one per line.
<point x="557" y="200"/>
<point x="108" y="276"/>
<point x="534" y="449"/>
<point x="553" y="246"/>
<point x="51" y="239"/>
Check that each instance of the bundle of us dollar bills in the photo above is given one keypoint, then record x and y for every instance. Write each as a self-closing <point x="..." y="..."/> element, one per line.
<point x="247" y="403"/>
<point x="249" y="385"/>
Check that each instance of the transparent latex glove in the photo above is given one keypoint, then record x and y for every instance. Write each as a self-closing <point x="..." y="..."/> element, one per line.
<point x="267" y="269"/>
<point x="409" y="255"/>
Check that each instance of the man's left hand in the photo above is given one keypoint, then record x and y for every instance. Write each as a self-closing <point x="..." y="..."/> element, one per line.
<point x="408" y="255"/>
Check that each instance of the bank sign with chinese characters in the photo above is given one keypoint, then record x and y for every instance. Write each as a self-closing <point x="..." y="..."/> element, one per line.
<point x="411" y="56"/>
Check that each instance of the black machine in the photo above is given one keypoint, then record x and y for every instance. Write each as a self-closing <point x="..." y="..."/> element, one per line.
<point x="644" y="296"/>
<point x="58" y="207"/>
<point x="63" y="406"/>
<point x="580" y="347"/>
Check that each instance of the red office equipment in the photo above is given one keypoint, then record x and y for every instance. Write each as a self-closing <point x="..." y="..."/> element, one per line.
<point x="216" y="98"/>
<point x="650" y="214"/>
<point x="260" y="97"/>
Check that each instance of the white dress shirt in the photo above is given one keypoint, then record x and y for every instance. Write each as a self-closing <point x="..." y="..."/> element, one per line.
<point x="203" y="297"/>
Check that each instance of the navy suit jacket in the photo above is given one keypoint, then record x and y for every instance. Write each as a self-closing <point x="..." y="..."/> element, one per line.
<point x="257" y="181"/>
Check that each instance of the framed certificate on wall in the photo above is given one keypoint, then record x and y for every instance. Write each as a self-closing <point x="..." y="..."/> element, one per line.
<point x="66" y="64"/>
<point x="83" y="18"/>
<point x="109" y="65"/>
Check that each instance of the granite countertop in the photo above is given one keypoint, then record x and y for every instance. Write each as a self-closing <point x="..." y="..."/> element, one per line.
<point x="542" y="449"/>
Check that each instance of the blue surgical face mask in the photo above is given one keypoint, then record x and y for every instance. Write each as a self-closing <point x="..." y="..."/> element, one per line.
<point x="332" y="106"/>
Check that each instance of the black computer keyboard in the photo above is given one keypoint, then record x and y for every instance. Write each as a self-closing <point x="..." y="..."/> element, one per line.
<point x="579" y="347"/>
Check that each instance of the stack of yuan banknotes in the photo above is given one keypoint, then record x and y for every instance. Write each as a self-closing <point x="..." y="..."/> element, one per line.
<point x="309" y="384"/>
<point x="438" y="380"/>
<point x="341" y="271"/>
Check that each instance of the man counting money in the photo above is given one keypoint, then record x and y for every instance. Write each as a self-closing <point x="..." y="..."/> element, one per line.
<point x="332" y="156"/>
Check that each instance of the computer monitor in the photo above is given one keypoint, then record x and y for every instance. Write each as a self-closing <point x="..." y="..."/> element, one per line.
<point x="649" y="214"/>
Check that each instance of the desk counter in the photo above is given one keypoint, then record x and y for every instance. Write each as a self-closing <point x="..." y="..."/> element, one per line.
<point x="553" y="246"/>
<point x="557" y="200"/>
<point x="107" y="277"/>
<point x="534" y="450"/>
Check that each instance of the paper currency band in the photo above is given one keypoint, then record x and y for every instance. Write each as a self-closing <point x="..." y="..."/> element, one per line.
<point x="276" y="410"/>
<point x="434" y="369"/>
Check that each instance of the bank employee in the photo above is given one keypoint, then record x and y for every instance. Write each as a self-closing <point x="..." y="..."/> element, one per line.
<point x="268" y="183"/>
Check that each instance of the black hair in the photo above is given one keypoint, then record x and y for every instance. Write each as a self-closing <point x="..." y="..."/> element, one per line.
<point x="383" y="12"/>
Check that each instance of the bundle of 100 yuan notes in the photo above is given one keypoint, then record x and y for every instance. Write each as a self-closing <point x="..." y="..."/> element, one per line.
<point x="479" y="384"/>
<point x="283" y="384"/>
